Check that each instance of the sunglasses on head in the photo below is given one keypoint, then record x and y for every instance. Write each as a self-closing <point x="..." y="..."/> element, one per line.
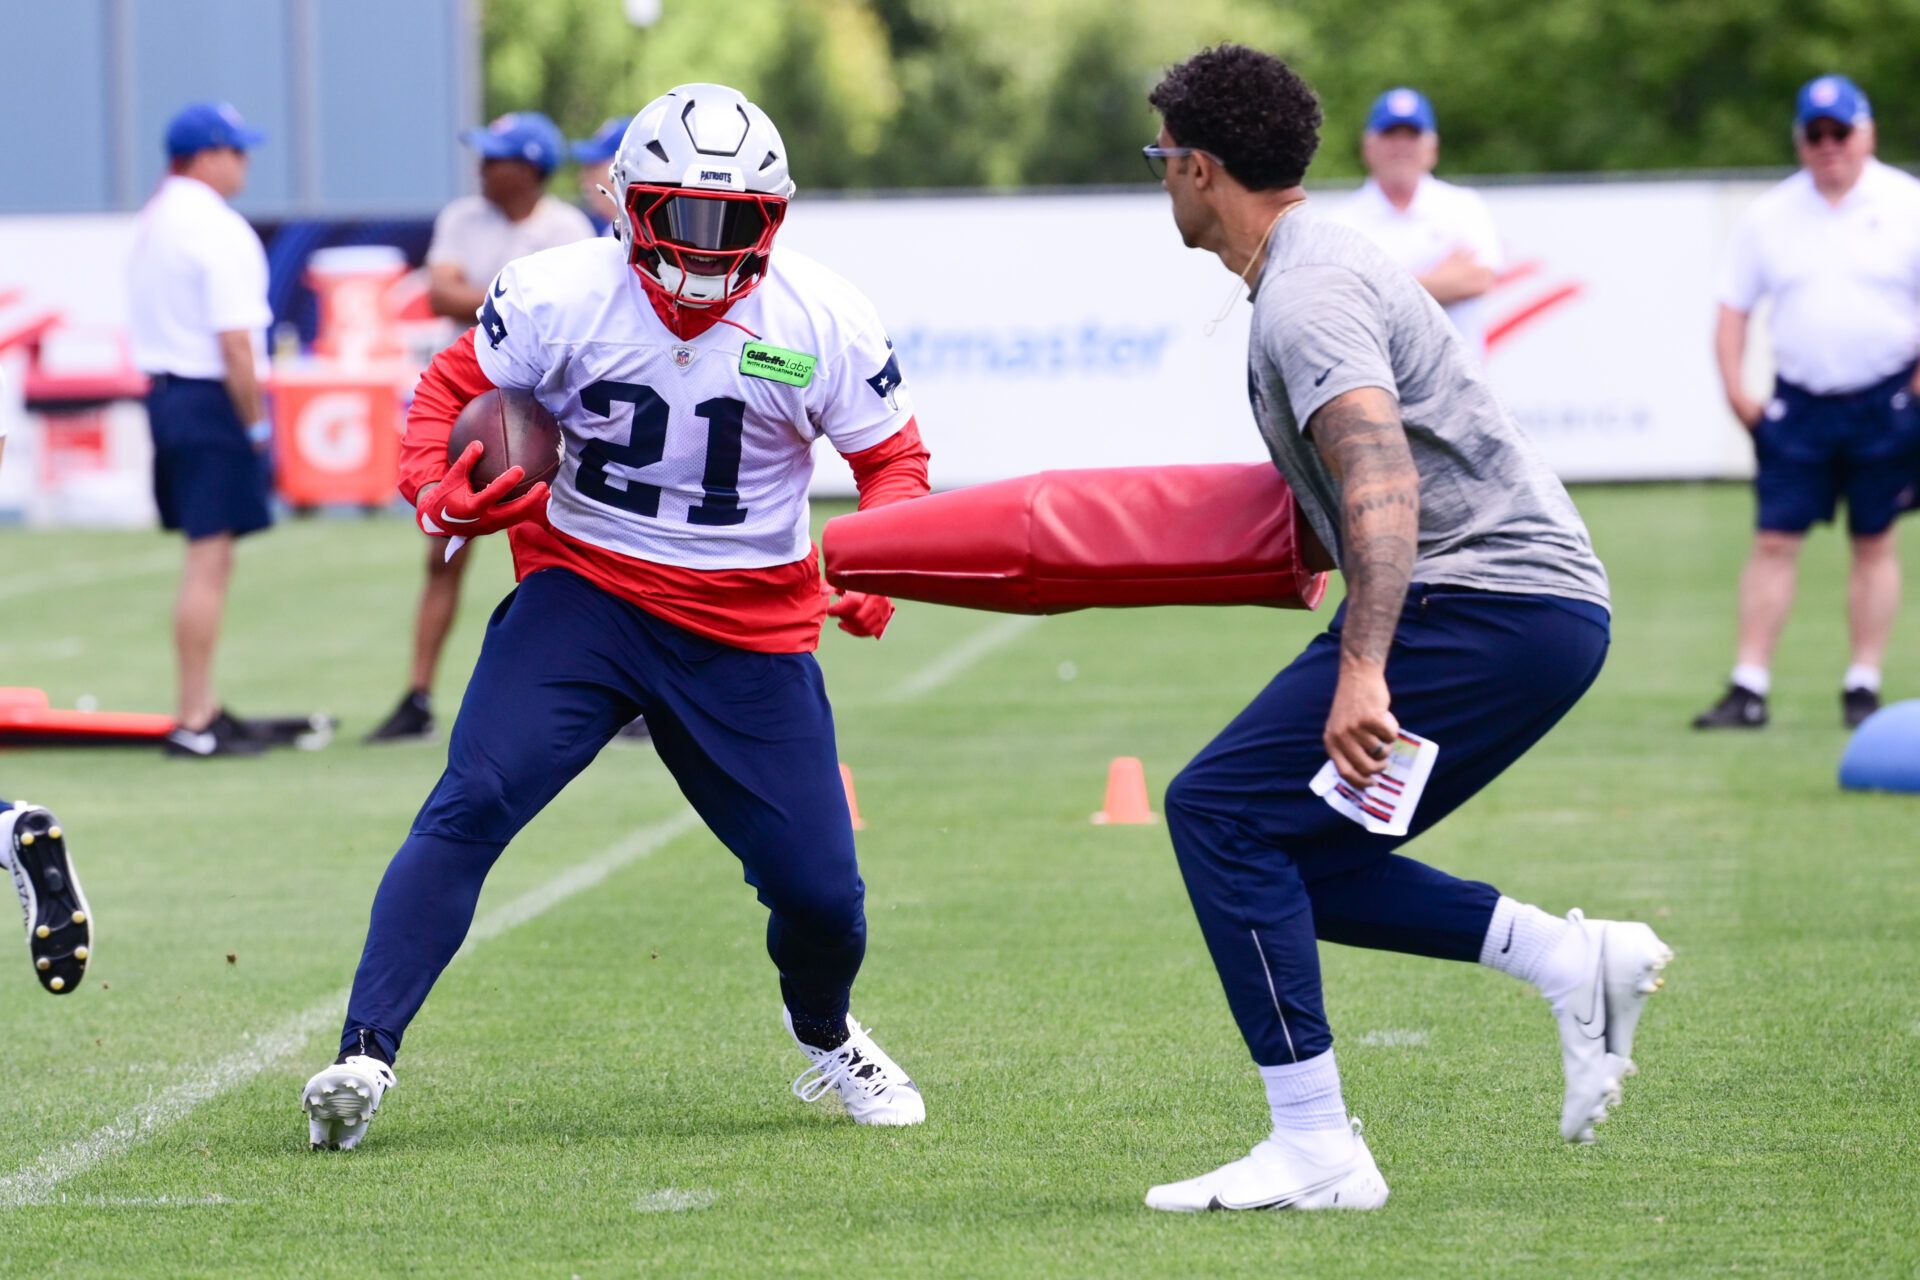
<point x="1826" y="131"/>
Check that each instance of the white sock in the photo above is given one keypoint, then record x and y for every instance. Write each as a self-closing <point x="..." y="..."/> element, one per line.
<point x="7" y="818"/>
<point x="1531" y="945"/>
<point x="1309" y="1116"/>
<point x="1753" y="678"/>
<point x="1860" y="676"/>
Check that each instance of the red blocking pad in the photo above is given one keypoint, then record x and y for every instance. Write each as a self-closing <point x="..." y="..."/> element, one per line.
<point x="1113" y="537"/>
<point x="27" y="719"/>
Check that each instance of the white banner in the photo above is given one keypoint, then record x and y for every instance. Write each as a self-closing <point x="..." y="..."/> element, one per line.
<point x="1065" y="331"/>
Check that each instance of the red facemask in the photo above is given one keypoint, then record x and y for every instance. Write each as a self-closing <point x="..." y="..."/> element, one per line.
<point x="701" y="248"/>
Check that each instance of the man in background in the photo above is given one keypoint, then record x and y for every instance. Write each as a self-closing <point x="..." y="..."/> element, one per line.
<point x="595" y="158"/>
<point x="197" y="323"/>
<point x="1440" y="232"/>
<point x="473" y="238"/>
<point x="1836" y="248"/>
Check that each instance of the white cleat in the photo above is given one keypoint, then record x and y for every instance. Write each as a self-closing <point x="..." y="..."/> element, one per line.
<point x="1274" y="1176"/>
<point x="872" y="1085"/>
<point x="343" y="1099"/>
<point x="1597" y="1022"/>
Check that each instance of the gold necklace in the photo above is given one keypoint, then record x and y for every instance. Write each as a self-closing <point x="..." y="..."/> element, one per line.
<point x="1245" y="280"/>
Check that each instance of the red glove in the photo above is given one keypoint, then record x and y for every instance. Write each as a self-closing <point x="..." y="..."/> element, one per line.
<point x="452" y="508"/>
<point x="861" y="614"/>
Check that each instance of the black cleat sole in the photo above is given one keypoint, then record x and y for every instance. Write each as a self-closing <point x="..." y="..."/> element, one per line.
<point x="60" y="934"/>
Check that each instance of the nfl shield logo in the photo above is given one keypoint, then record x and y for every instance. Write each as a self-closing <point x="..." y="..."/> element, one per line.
<point x="682" y="357"/>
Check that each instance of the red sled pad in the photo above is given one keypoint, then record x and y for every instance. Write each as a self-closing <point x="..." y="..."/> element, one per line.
<point x="27" y="720"/>
<point x="1109" y="538"/>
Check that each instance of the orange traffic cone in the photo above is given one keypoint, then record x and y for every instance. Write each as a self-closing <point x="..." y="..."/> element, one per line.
<point x="1126" y="795"/>
<point x="853" y="805"/>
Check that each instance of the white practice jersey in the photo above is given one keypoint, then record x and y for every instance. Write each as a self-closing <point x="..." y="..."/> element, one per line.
<point x="695" y="453"/>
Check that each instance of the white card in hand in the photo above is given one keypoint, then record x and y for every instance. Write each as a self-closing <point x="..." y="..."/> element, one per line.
<point x="1386" y="807"/>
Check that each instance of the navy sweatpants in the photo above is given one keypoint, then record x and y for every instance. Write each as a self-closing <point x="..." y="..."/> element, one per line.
<point x="748" y="737"/>
<point x="1271" y="867"/>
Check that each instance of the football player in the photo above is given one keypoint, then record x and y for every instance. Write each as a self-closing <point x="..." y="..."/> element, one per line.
<point x="668" y="573"/>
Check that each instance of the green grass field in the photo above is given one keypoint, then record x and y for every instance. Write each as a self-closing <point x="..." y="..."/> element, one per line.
<point x="600" y="1087"/>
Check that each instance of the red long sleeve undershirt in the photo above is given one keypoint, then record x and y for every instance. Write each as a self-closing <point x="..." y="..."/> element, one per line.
<point x="774" y="610"/>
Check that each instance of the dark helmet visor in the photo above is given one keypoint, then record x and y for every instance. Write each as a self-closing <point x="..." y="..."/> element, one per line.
<point x="704" y="222"/>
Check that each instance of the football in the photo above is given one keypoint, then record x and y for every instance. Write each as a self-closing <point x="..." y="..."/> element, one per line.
<point x="516" y="431"/>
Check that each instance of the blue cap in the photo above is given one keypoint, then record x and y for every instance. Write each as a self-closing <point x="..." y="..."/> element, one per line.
<point x="1831" y="98"/>
<point x="604" y="143"/>
<point x="520" y="135"/>
<point x="202" y="126"/>
<point x="1401" y="106"/>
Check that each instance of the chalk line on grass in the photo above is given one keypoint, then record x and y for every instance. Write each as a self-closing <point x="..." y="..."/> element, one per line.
<point x="35" y="1183"/>
<point x="961" y="656"/>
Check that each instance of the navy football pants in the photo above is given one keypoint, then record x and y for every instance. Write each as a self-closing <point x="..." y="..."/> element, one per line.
<point x="748" y="736"/>
<point x="1271" y="867"/>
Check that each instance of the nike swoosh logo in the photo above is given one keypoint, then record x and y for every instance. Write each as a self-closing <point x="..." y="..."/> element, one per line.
<point x="1330" y="368"/>
<point x="201" y="744"/>
<point x="499" y="290"/>
<point x="1509" y="946"/>
<point x="1596" y="1000"/>
<point x="457" y="520"/>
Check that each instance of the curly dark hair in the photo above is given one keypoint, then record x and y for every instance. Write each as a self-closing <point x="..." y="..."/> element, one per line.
<point x="1246" y="107"/>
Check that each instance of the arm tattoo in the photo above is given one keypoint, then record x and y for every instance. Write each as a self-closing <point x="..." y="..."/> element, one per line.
<point x="1364" y="443"/>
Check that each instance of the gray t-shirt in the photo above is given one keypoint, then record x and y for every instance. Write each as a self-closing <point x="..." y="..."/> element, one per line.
<point x="1332" y="313"/>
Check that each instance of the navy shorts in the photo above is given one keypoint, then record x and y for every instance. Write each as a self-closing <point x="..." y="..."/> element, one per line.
<point x="208" y="479"/>
<point x="1271" y="867"/>
<point x="1812" y="450"/>
<point x="1483" y="673"/>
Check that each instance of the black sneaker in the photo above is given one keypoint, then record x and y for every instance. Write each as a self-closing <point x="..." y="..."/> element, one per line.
<point x="411" y="721"/>
<point x="1857" y="704"/>
<point x="59" y="922"/>
<point x="1740" y="709"/>
<point x="223" y="736"/>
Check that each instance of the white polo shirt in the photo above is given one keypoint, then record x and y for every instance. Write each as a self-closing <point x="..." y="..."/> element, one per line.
<point x="472" y="234"/>
<point x="1442" y="217"/>
<point x="1844" y="279"/>
<point x="198" y="271"/>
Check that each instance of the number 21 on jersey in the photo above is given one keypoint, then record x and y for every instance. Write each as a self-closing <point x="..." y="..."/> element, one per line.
<point x="647" y="444"/>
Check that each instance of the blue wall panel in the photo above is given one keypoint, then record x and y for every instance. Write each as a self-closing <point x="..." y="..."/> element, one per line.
<point x="54" y="101"/>
<point x="386" y="91"/>
<point x="361" y="99"/>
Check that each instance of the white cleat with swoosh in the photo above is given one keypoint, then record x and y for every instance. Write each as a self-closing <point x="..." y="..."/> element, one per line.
<point x="1598" y="1020"/>
<point x="1274" y="1176"/>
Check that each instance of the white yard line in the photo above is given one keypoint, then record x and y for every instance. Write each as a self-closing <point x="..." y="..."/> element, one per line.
<point x="963" y="655"/>
<point x="35" y="1183"/>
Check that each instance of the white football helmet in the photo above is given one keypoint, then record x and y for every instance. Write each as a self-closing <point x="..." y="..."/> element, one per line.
<point x="701" y="180"/>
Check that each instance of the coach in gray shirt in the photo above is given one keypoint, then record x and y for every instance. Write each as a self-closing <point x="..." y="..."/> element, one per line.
<point x="1476" y="616"/>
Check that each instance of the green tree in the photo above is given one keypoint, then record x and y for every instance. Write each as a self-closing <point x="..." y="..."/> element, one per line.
<point x="936" y="93"/>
